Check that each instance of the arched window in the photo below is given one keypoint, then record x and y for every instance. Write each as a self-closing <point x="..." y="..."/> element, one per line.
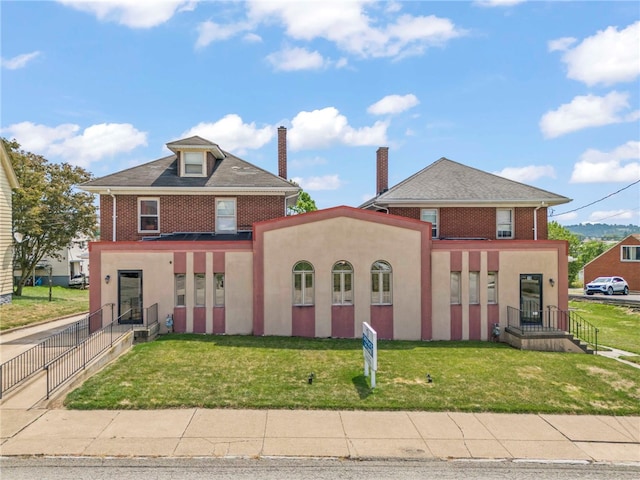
<point x="342" y="283"/>
<point x="381" y="283"/>
<point x="303" y="283"/>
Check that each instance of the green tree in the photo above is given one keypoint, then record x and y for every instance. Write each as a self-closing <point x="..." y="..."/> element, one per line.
<point x="304" y="204"/>
<point x="591" y="249"/>
<point x="558" y="232"/>
<point x="48" y="212"/>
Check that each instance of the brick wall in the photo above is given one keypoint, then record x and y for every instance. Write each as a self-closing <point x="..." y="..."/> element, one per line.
<point x="609" y="264"/>
<point x="184" y="213"/>
<point x="480" y="222"/>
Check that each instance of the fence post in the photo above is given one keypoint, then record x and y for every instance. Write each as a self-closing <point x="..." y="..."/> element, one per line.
<point x="46" y="369"/>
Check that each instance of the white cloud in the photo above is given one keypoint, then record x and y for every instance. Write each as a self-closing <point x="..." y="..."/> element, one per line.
<point x="291" y="59"/>
<point x="19" y="61"/>
<point x="620" y="165"/>
<point x="326" y="127"/>
<point x="209" y="32"/>
<point x="352" y="29"/>
<point x="66" y="142"/>
<point x="498" y="3"/>
<point x="527" y="174"/>
<point x="620" y="215"/>
<point x="608" y="57"/>
<point x="560" y="44"/>
<point x="393" y="104"/>
<point x="132" y="13"/>
<point x="587" y="111"/>
<point x="566" y="217"/>
<point x="326" y="182"/>
<point x="232" y="134"/>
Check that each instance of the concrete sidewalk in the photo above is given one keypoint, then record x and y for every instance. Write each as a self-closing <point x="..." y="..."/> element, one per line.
<point x="312" y="433"/>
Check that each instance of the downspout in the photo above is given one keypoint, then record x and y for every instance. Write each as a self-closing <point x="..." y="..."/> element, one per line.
<point x="113" y="228"/>
<point x="535" y="221"/>
<point x="285" y="201"/>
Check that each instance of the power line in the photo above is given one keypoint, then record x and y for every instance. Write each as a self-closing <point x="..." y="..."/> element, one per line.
<point x="597" y="201"/>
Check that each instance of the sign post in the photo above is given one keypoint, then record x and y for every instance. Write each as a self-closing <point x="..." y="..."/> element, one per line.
<point x="370" y="351"/>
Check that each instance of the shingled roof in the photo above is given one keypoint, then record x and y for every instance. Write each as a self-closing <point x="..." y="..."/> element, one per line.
<point x="449" y="182"/>
<point x="229" y="173"/>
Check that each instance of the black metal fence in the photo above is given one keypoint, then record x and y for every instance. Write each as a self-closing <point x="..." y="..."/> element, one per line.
<point x="151" y="315"/>
<point x="29" y="362"/>
<point x="553" y="320"/>
<point x="65" y="366"/>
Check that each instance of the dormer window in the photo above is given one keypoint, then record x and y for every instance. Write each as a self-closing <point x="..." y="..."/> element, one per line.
<point x="193" y="164"/>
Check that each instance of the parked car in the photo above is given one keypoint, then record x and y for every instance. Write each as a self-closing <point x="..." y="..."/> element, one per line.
<point x="607" y="285"/>
<point x="79" y="281"/>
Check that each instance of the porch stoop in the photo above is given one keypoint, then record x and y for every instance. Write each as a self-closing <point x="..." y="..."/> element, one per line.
<point x="146" y="333"/>
<point x="545" y="341"/>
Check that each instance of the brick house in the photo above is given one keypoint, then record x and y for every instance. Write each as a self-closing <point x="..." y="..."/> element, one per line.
<point x="622" y="260"/>
<point x="243" y="267"/>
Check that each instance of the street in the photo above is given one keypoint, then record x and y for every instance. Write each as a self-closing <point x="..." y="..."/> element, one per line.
<point x="44" y="468"/>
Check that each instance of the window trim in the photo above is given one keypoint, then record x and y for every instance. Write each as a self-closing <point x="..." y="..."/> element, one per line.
<point x="474" y="291"/>
<point x="493" y="301"/>
<point x="511" y="224"/>
<point x="342" y="273"/>
<point x="434" y="225"/>
<point x="156" y="216"/>
<point x="202" y="291"/>
<point x="458" y="293"/>
<point x="216" y="303"/>
<point x="235" y="215"/>
<point x="304" y="274"/>
<point x="380" y="281"/>
<point x="184" y="290"/>
<point x="630" y="247"/>
<point x="183" y="164"/>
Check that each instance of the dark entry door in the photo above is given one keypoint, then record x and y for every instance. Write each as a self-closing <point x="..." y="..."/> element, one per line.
<point x="531" y="298"/>
<point x="130" y="296"/>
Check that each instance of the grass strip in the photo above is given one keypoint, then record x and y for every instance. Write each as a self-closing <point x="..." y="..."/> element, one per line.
<point x="180" y="371"/>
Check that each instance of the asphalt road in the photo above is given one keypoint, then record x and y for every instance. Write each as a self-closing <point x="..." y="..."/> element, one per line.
<point x="301" y="469"/>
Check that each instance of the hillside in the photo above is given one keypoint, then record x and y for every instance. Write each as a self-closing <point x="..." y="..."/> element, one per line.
<point x="603" y="231"/>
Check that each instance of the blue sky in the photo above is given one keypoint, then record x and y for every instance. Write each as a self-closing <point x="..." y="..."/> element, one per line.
<point x="546" y="93"/>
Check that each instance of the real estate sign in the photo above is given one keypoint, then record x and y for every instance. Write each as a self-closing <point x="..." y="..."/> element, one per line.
<point x="370" y="351"/>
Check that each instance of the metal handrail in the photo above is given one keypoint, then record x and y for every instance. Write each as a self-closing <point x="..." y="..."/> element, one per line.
<point x="71" y="362"/>
<point x="20" y="368"/>
<point x="553" y="319"/>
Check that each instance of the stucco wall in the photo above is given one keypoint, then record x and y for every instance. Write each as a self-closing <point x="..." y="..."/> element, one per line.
<point x="360" y="243"/>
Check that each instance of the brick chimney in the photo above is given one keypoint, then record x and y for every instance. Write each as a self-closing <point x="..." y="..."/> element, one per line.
<point x="382" y="170"/>
<point x="282" y="152"/>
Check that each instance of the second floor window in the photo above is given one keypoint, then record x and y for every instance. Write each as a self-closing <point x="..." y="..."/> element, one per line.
<point x="148" y="215"/>
<point x="504" y="218"/>
<point x="430" y="215"/>
<point x="226" y="215"/>
<point x="342" y="284"/>
<point x="630" y="253"/>
<point x="303" y="283"/>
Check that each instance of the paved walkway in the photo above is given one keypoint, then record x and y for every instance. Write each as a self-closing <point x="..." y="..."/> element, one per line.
<point x="28" y="426"/>
<point x="343" y="434"/>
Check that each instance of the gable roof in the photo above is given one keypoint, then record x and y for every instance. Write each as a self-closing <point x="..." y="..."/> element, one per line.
<point x="230" y="174"/>
<point x="449" y="182"/>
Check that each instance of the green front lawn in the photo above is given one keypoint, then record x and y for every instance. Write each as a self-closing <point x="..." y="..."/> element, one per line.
<point x="181" y="370"/>
<point x="34" y="305"/>
<point x="619" y="327"/>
